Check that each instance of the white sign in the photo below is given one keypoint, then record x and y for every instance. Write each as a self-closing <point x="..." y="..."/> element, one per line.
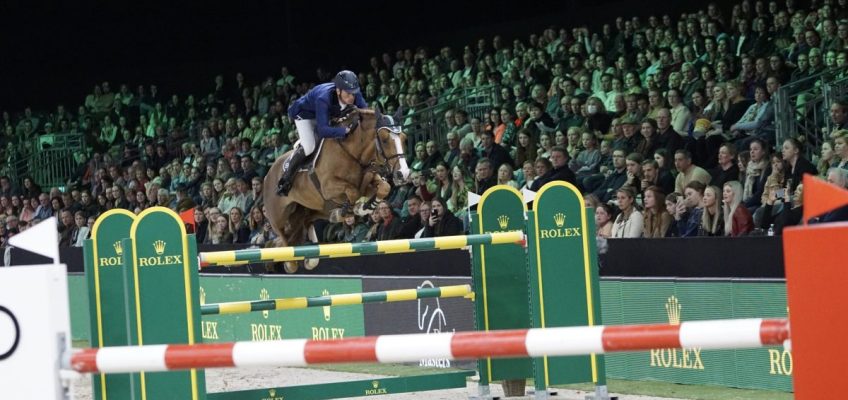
<point x="34" y="330"/>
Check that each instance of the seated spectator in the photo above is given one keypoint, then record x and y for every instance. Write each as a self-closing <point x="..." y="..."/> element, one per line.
<point x="796" y="164"/>
<point x="613" y="180"/>
<point x="603" y="220"/>
<point x="505" y="176"/>
<point x="671" y="208"/>
<point x="840" y="149"/>
<point x="667" y="137"/>
<point x="390" y="224"/>
<point x="653" y="176"/>
<point x="689" y="210"/>
<point x="526" y="148"/>
<point x="688" y="172"/>
<point x="588" y="160"/>
<point x="373" y="223"/>
<point x="629" y="223"/>
<point x="351" y="230"/>
<point x="411" y="222"/>
<point x="649" y="144"/>
<point x="545" y="145"/>
<point x="219" y="232"/>
<point x="629" y="141"/>
<point x="558" y="172"/>
<point x="467" y="156"/>
<point x="238" y="226"/>
<point x="633" y="166"/>
<point x="727" y="169"/>
<point x="758" y="120"/>
<point x="497" y="155"/>
<point x="442" y="222"/>
<point x="826" y="158"/>
<point x="528" y="171"/>
<point x="483" y="176"/>
<point x="838" y="177"/>
<point x="756" y="173"/>
<point x="737" y="220"/>
<point x="420" y="157"/>
<point x="712" y="220"/>
<point x="231" y="197"/>
<point x="791" y="212"/>
<point x="657" y="219"/>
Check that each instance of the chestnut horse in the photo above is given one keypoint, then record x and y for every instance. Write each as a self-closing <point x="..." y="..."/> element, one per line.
<point x="347" y="169"/>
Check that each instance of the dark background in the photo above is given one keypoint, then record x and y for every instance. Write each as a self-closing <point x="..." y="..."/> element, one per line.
<point x="56" y="52"/>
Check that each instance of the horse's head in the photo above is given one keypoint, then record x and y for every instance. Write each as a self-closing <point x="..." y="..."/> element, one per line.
<point x="390" y="134"/>
<point x="389" y="141"/>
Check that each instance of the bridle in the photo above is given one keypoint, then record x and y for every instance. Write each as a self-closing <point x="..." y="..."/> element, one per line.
<point x="386" y="168"/>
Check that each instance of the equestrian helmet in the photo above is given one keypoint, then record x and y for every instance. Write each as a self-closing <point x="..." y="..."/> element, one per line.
<point x="347" y="81"/>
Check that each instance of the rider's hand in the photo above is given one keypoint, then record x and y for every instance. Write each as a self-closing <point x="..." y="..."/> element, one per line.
<point x="353" y="127"/>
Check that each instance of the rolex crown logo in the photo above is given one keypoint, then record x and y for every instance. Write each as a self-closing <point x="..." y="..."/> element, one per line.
<point x="326" y="309"/>
<point x="159" y="246"/>
<point x="672" y="308"/>
<point x="263" y="295"/>
<point x="559" y="219"/>
<point x="503" y="221"/>
<point x="202" y="295"/>
<point x="119" y="250"/>
<point x="375" y="384"/>
<point x="272" y="393"/>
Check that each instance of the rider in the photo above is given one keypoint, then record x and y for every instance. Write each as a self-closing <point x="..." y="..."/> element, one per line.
<point x="312" y="113"/>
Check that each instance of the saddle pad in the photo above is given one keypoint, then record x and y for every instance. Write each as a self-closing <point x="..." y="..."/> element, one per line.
<point x="309" y="163"/>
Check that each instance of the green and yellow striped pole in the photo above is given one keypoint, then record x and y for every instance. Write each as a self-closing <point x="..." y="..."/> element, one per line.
<point x="337" y="250"/>
<point x="292" y="303"/>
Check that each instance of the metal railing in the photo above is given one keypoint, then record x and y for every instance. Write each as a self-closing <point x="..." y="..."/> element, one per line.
<point x="802" y="109"/>
<point x="428" y="123"/>
<point x="48" y="159"/>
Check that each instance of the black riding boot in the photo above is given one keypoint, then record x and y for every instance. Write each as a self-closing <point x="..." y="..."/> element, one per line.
<point x="289" y="169"/>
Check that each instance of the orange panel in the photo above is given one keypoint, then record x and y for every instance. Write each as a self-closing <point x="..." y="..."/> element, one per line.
<point x="817" y="286"/>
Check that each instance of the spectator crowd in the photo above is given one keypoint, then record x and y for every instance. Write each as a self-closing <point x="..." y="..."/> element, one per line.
<point x="667" y="125"/>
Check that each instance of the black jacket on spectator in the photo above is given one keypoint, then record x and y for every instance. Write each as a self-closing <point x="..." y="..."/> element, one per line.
<point x="242" y="234"/>
<point x="670" y="140"/>
<point x="557" y="174"/>
<point x="612" y="182"/>
<point x="665" y="180"/>
<point x="720" y="176"/>
<point x="734" y="113"/>
<point x="837" y="215"/>
<point x="787" y="217"/>
<point x="481" y="186"/>
<point x="411" y="225"/>
<point x="390" y="231"/>
<point x="497" y="155"/>
<point x="802" y="166"/>
<point x="448" y="225"/>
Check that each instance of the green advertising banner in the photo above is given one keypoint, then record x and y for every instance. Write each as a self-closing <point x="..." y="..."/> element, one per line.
<point x="163" y="297"/>
<point x="500" y="281"/>
<point x="563" y="278"/>
<point x="630" y="301"/>
<point x="104" y="271"/>
<point x="321" y="323"/>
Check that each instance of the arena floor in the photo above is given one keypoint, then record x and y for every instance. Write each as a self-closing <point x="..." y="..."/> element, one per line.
<point x="231" y="379"/>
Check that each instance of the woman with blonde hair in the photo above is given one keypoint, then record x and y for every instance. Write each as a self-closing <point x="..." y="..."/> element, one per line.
<point x="657" y="218"/>
<point x="737" y="219"/>
<point x="712" y="221"/>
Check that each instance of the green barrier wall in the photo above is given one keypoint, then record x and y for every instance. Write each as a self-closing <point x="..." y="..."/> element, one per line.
<point x="641" y="301"/>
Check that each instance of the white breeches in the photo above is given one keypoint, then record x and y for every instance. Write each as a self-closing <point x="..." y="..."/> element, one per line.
<point x="306" y="132"/>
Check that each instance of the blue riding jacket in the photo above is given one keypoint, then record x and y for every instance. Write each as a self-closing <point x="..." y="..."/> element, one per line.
<point x="322" y="104"/>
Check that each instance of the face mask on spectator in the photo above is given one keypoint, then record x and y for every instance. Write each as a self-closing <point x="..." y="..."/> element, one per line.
<point x="592" y="109"/>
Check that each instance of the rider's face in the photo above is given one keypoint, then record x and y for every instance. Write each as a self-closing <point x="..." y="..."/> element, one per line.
<point x="345" y="97"/>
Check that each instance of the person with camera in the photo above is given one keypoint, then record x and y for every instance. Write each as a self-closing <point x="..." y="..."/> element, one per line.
<point x="442" y="222"/>
<point x="789" y="215"/>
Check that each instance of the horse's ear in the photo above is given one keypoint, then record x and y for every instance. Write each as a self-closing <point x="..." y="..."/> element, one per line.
<point x="398" y="114"/>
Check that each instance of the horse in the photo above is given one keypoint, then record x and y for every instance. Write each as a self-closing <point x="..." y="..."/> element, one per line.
<point x="348" y="169"/>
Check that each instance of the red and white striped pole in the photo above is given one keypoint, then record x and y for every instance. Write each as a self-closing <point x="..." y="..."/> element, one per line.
<point x="716" y="334"/>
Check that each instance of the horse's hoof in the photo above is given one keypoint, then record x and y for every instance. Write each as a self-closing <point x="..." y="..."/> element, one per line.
<point x="311" y="263"/>
<point x="290" y="266"/>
